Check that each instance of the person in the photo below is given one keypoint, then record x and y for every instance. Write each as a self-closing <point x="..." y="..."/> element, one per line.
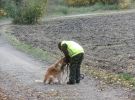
<point x="74" y="54"/>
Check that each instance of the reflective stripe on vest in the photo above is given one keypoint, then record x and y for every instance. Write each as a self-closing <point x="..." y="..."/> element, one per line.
<point x="73" y="48"/>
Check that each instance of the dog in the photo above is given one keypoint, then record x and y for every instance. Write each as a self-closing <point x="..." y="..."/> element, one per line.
<point x="54" y="72"/>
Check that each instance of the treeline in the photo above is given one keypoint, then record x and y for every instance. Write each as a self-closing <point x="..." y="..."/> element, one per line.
<point x="120" y="3"/>
<point x="24" y="11"/>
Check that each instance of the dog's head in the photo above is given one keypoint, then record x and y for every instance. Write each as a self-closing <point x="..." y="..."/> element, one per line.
<point x="61" y="63"/>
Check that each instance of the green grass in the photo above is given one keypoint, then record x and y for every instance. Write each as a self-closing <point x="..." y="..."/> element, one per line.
<point x="29" y="49"/>
<point x="3" y="18"/>
<point x="133" y="5"/>
<point x="58" y="10"/>
<point x="94" y="8"/>
<point x="126" y="76"/>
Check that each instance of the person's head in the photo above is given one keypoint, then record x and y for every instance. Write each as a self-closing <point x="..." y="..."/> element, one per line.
<point x="59" y="45"/>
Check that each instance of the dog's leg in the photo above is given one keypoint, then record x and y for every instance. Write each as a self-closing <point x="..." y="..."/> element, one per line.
<point x="45" y="80"/>
<point x="59" y="79"/>
<point x="48" y="79"/>
<point x="56" y="81"/>
<point x="51" y="80"/>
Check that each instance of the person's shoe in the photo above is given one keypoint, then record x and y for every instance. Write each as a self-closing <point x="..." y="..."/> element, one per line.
<point x="70" y="82"/>
<point x="77" y="81"/>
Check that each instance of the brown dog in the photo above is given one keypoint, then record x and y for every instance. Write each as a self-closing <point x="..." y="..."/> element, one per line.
<point x="53" y="74"/>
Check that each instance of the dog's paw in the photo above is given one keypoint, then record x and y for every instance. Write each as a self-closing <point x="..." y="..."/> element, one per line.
<point x="57" y="83"/>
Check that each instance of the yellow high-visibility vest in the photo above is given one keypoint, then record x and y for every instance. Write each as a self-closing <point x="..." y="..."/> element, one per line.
<point x="73" y="48"/>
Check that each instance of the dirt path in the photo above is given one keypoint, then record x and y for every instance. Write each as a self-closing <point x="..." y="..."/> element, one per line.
<point x="18" y="73"/>
<point x="104" y="13"/>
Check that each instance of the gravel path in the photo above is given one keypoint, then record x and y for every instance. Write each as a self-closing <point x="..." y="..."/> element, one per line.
<point x="18" y="73"/>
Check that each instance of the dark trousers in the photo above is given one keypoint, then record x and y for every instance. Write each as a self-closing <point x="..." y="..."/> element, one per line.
<point x="75" y="63"/>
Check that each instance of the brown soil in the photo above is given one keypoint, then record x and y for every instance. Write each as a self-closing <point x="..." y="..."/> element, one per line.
<point x="108" y="40"/>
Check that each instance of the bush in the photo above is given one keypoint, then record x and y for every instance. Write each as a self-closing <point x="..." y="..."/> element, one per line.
<point x="28" y="12"/>
<point x="124" y="4"/>
<point x="2" y="13"/>
<point x="10" y="8"/>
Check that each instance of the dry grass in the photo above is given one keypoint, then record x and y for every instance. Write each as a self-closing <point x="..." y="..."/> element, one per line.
<point x="124" y="4"/>
<point x="123" y="79"/>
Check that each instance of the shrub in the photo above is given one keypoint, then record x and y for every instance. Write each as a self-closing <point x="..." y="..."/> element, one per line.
<point x="2" y="13"/>
<point x="124" y="4"/>
<point x="10" y="8"/>
<point x="28" y="12"/>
